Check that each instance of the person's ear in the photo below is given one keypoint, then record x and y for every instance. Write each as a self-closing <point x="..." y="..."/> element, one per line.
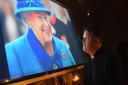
<point x="98" y="41"/>
<point x="28" y="20"/>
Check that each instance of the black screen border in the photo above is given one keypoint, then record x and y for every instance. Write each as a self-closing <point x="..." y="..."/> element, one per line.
<point x="7" y="79"/>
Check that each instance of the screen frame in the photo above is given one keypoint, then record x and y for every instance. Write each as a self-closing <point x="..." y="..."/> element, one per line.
<point x="41" y="76"/>
<point x="19" y="79"/>
<point x="4" y="73"/>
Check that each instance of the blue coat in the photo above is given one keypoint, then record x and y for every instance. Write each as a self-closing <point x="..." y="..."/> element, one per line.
<point x="26" y="56"/>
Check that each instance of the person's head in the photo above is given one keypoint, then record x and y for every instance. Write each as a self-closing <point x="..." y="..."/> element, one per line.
<point x="39" y="22"/>
<point x="92" y="39"/>
<point x="34" y="13"/>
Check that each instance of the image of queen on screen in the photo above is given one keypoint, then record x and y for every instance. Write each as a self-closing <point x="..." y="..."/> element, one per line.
<point x="38" y="49"/>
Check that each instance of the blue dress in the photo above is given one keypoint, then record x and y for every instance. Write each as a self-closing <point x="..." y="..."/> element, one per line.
<point x="26" y="56"/>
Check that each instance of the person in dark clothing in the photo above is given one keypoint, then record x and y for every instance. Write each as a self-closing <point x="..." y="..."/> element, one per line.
<point x="99" y="70"/>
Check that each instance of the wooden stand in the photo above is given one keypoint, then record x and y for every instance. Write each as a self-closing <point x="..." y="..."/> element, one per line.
<point x="66" y="76"/>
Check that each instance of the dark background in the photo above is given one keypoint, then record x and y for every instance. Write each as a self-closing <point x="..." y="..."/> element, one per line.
<point x="114" y="13"/>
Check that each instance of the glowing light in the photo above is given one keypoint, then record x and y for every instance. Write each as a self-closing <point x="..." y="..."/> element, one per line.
<point x="76" y="78"/>
<point x="88" y="14"/>
<point x="7" y="80"/>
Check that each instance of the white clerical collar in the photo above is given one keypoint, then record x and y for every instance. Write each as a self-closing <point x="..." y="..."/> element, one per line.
<point x="92" y="56"/>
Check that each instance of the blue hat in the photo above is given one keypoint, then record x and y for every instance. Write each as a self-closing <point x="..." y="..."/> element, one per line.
<point x="30" y="5"/>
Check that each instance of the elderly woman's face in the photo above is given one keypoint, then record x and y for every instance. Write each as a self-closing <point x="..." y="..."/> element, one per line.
<point x="40" y="26"/>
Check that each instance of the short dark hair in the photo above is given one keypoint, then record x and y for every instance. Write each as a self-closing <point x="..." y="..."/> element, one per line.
<point x="96" y="30"/>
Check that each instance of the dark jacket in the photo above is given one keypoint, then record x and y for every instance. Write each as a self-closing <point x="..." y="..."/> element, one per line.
<point x="100" y="70"/>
